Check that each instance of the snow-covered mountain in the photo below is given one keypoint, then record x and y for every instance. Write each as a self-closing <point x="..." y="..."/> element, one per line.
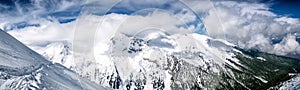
<point x="157" y="60"/>
<point x="292" y="84"/>
<point x="23" y="69"/>
<point x="56" y="51"/>
<point x="147" y="44"/>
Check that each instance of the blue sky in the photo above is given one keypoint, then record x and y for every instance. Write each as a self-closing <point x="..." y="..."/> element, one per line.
<point x="285" y="7"/>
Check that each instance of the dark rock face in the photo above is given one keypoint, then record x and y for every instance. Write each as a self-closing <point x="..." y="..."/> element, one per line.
<point x="158" y="84"/>
<point x="115" y="80"/>
<point x="136" y="45"/>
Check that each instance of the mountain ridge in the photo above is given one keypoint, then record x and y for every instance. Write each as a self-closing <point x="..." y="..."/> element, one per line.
<point x="22" y="68"/>
<point x="202" y="68"/>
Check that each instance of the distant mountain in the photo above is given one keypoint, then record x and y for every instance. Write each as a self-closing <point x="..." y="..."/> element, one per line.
<point x="190" y="61"/>
<point x="23" y="69"/>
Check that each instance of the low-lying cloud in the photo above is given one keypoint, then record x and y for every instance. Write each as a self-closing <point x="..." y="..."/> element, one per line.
<point x="254" y="26"/>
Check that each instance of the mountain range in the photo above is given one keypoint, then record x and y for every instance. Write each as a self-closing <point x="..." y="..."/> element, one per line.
<point x="190" y="61"/>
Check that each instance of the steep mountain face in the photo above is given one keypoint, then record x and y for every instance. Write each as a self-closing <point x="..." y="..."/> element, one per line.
<point x="57" y="51"/>
<point x="22" y="68"/>
<point x="292" y="84"/>
<point x="263" y="71"/>
<point x="191" y="61"/>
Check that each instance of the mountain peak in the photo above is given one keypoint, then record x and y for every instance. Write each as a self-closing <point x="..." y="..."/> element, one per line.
<point x="22" y="68"/>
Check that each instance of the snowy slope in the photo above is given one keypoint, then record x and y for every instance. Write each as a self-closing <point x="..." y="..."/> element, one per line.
<point x="292" y="84"/>
<point x="22" y="68"/>
<point x="161" y="61"/>
<point x="56" y="51"/>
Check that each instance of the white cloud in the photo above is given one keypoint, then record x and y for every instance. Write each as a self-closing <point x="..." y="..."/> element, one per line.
<point x="32" y="11"/>
<point x="288" y="45"/>
<point x="252" y="25"/>
<point x="87" y="29"/>
<point x="249" y="25"/>
<point x="48" y="31"/>
<point x="131" y="25"/>
<point x="286" y="20"/>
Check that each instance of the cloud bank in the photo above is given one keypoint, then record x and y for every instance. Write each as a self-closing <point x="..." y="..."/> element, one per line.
<point x="249" y="25"/>
<point x="16" y="14"/>
<point x="254" y="26"/>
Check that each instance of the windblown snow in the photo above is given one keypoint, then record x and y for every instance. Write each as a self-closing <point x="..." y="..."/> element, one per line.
<point x="23" y="69"/>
